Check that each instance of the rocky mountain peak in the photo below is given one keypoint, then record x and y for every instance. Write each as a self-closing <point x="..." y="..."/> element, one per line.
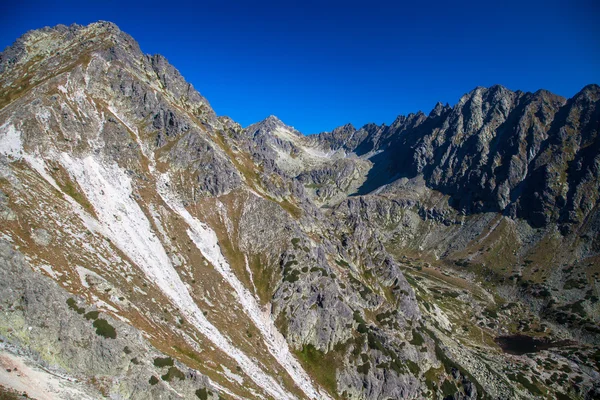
<point x="99" y="48"/>
<point x="272" y="125"/>
<point x="439" y="109"/>
<point x="591" y="92"/>
<point x="48" y="41"/>
<point x="273" y="119"/>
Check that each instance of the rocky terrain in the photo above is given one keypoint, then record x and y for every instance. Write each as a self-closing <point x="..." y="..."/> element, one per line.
<point x="151" y="249"/>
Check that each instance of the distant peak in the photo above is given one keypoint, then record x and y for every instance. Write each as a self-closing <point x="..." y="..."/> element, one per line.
<point x="494" y="88"/>
<point x="543" y="92"/>
<point x="497" y="87"/>
<point x="593" y="88"/>
<point x="439" y="109"/>
<point x="100" y="27"/>
<point x="493" y="93"/>
<point x="345" y="127"/>
<point x="271" y="124"/>
<point x="588" y="93"/>
<point x="273" y="119"/>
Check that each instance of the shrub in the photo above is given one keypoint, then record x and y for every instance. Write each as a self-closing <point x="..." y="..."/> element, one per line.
<point x="448" y="388"/>
<point x="374" y="342"/>
<point x="202" y="394"/>
<point x="417" y="339"/>
<point x="73" y="306"/>
<point x="172" y="373"/>
<point x="293" y="277"/>
<point x="92" y="315"/>
<point x="364" y="369"/>
<point x="413" y="367"/>
<point x="104" y="329"/>
<point x="163" y="362"/>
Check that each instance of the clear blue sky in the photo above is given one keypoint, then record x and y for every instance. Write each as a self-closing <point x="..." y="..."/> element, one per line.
<point x="321" y="64"/>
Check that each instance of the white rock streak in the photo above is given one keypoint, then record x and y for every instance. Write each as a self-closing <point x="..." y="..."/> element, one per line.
<point x="11" y="144"/>
<point x="250" y="273"/>
<point x="37" y="382"/>
<point x="108" y="189"/>
<point x="206" y="240"/>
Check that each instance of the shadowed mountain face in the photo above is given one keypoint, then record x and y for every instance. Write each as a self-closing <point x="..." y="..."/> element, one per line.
<point x="528" y="155"/>
<point x="152" y="249"/>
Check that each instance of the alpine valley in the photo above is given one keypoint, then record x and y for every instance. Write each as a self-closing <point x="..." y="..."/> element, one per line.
<point x="150" y="249"/>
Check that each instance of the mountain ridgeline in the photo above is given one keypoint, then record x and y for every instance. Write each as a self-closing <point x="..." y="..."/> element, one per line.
<point x="150" y="249"/>
<point x="527" y="155"/>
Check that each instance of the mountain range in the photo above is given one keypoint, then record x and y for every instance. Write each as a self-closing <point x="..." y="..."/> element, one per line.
<point x="150" y="249"/>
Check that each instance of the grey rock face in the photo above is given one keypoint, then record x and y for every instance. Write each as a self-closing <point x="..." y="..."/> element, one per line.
<point x="38" y="321"/>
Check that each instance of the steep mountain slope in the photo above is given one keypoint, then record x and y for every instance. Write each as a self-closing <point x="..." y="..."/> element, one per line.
<point x="150" y="249"/>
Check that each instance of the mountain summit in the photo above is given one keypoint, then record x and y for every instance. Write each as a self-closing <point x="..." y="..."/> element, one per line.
<point x="152" y="249"/>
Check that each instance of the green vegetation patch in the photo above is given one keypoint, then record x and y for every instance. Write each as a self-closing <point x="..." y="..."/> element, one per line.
<point x="163" y="362"/>
<point x="153" y="380"/>
<point x="73" y="306"/>
<point x="92" y="315"/>
<point x="448" y="388"/>
<point x="202" y="394"/>
<point x="264" y="278"/>
<point x="292" y="277"/>
<point x="322" y="366"/>
<point x="490" y="312"/>
<point x="413" y="367"/>
<point x="104" y="329"/>
<point x="364" y="369"/>
<point x="342" y="263"/>
<point x="173" y="373"/>
<point x="417" y="339"/>
<point x="289" y="264"/>
<point x="292" y="209"/>
<point x="375" y="343"/>
<point x="362" y="324"/>
<point x="321" y="270"/>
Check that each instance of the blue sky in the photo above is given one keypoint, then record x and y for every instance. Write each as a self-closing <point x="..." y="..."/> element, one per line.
<point x="321" y="64"/>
